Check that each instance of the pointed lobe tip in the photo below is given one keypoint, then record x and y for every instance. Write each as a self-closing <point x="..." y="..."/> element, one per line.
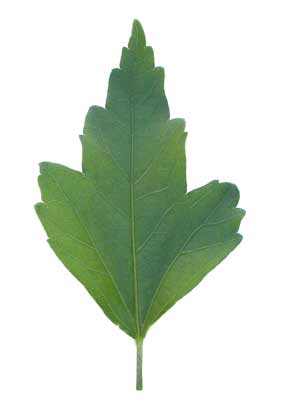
<point x="137" y="39"/>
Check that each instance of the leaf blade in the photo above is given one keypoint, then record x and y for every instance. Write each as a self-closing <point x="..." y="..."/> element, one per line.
<point x="125" y="227"/>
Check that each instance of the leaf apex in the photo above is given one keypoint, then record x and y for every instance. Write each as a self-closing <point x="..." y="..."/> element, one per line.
<point x="137" y="39"/>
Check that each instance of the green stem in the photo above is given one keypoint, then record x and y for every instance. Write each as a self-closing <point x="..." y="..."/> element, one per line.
<point x="139" y="343"/>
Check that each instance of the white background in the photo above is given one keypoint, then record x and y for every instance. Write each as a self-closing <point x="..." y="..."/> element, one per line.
<point x="225" y="74"/>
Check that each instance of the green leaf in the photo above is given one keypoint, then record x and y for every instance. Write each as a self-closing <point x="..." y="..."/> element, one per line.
<point x="125" y="227"/>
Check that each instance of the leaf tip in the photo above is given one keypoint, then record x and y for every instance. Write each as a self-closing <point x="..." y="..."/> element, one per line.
<point x="137" y="39"/>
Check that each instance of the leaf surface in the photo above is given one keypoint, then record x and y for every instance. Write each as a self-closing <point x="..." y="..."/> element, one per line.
<point x="125" y="226"/>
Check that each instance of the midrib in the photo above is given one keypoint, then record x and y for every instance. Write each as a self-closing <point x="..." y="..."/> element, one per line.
<point x="132" y="217"/>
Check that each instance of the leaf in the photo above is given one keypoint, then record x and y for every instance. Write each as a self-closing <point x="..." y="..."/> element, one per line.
<point x="125" y="227"/>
